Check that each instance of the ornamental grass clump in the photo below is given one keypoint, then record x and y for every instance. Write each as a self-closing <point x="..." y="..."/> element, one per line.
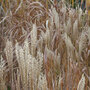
<point x="47" y="47"/>
<point x="29" y="66"/>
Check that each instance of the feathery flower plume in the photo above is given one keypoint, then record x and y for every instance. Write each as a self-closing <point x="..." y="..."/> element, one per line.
<point x="82" y="42"/>
<point x="2" y="73"/>
<point x="55" y="17"/>
<point x="33" y="39"/>
<point x="81" y="84"/>
<point x="9" y="52"/>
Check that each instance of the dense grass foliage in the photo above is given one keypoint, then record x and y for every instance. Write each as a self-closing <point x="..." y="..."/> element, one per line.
<point x="44" y="45"/>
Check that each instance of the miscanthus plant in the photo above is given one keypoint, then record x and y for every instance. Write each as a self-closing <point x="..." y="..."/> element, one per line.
<point x="47" y="47"/>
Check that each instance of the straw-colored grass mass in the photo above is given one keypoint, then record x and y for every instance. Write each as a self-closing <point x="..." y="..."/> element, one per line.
<point x="44" y="45"/>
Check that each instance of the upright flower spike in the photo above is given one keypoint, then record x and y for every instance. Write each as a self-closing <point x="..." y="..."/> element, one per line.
<point x="75" y="30"/>
<point x="56" y="17"/>
<point x="81" y="83"/>
<point x="9" y="52"/>
<point x="2" y="69"/>
<point x="33" y="39"/>
<point x="82" y="42"/>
